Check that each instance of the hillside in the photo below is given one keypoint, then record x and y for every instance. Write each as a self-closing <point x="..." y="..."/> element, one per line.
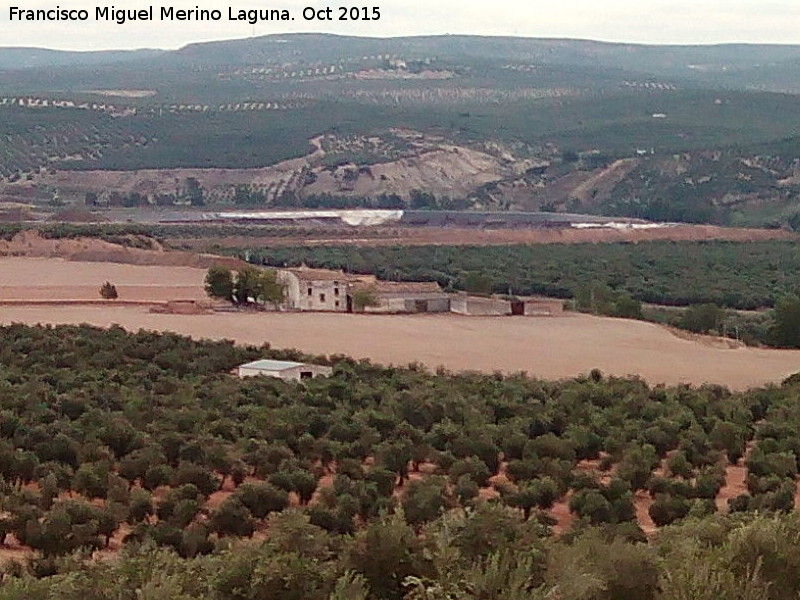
<point x="701" y="62"/>
<point x="696" y="133"/>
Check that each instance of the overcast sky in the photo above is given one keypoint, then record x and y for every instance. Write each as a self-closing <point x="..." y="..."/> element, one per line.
<point x="647" y="21"/>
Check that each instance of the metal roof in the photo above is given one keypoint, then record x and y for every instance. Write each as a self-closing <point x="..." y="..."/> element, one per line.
<point x="272" y="365"/>
<point x="401" y="287"/>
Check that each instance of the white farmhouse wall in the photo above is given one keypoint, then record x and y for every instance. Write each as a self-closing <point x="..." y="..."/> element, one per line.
<point x="293" y="374"/>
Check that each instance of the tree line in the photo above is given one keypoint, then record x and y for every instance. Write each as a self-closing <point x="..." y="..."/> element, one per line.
<point x="734" y="275"/>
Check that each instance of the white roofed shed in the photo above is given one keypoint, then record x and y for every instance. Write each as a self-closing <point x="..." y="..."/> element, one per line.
<point x="282" y="369"/>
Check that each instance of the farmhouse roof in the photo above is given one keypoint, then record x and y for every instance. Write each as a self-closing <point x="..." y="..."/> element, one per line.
<point x="309" y="274"/>
<point x="404" y="287"/>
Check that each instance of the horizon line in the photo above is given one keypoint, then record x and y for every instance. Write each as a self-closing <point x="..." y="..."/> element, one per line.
<point x="618" y="42"/>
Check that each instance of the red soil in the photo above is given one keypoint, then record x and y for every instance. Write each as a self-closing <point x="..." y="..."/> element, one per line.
<point x="561" y="513"/>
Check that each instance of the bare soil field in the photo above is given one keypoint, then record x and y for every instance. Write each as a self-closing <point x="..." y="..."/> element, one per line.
<point x="23" y="278"/>
<point x="30" y="244"/>
<point x="424" y="236"/>
<point x="550" y="348"/>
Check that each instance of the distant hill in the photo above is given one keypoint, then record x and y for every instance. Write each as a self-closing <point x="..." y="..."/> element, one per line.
<point x="31" y="58"/>
<point x="723" y="62"/>
<point x="694" y="62"/>
<point x="733" y="66"/>
<point x="674" y="132"/>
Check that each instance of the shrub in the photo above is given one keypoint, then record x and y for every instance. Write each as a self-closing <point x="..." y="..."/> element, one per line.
<point x="232" y="518"/>
<point x="474" y="467"/>
<point x="108" y="291"/>
<point x="261" y="498"/>
<point x="667" y="509"/>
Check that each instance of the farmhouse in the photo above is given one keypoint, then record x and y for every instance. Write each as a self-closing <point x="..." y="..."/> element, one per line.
<point x="543" y="307"/>
<point x="464" y="304"/>
<point x="322" y="290"/>
<point x="316" y="289"/>
<point x="281" y="369"/>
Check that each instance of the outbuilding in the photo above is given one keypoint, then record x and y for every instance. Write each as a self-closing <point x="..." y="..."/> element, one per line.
<point x="480" y="306"/>
<point x="282" y="369"/>
<point x="405" y="297"/>
<point x="542" y="307"/>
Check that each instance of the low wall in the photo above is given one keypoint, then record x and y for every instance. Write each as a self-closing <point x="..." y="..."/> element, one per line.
<point x="476" y="306"/>
<point x="411" y="305"/>
<point x="431" y="305"/>
<point x="544" y="308"/>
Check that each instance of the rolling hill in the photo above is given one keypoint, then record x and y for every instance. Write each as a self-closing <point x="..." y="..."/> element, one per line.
<point x="551" y="118"/>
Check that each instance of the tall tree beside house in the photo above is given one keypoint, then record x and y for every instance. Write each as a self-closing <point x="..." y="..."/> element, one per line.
<point x="270" y="290"/>
<point x="219" y="283"/>
<point x="108" y="291"/>
<point x="247" y="285"/>
<point x="257" y="285"/>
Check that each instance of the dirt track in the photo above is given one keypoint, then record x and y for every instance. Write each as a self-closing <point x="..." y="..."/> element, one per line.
<point x="551" y="348"/>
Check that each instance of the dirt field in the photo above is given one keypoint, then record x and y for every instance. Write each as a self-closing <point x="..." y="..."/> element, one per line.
<point x="551" y="348"/>
<point x="57" y="279"/>
<point x="31" y="245"/>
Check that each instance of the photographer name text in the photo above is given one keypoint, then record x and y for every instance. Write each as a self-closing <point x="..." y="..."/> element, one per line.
<point x="121" y="16"/>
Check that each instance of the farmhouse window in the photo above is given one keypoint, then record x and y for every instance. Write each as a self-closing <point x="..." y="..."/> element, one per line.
<point x="310" y="291"/>
<point x="335" y="291"/>
<point x="322" y="297"/>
